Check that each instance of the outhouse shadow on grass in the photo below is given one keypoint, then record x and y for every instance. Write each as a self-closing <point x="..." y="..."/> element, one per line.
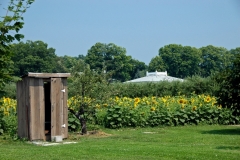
<point x="229" y="148"/>
<point x="227" y="132"/>
<point x="234" y="131"/>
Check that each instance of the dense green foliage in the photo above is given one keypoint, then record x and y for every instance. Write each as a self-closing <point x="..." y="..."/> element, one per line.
<point x="113" y="59"/>
<point x="191" y="85"/>
<point x="156" y="64"/>
<point x="181" y="61"/>
<point x="33" y="57"/>
<point x="10" y="24"/>
<point x="229" y="80"/>
<point x="215" y="59"/>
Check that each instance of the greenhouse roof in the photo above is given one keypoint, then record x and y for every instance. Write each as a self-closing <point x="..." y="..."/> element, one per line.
<point x="155" y="77"/>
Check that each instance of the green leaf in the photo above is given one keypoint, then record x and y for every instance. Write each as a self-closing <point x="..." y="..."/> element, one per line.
<point x="117" y="107"/>
<point x="115" y="115"/>
<point x="111" y="109"/>
<point x="185" y="116"/>
<point x="71" y="119"/>
<point x="176" y="119"/>
<point x="182" y="120"/>
<point x="73" y="126"/>
<point x="210" y="111"/>
<point x="131" y="112"/>
<point x="191" y="117"/>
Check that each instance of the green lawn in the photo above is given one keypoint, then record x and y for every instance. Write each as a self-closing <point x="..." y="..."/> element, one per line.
<point x="187" y="142"/>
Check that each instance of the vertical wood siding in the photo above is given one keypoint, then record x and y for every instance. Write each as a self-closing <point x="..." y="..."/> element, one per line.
<point x="65" y="109"/>
<point x="21" y="110"/>
<point x="56" y="96"/>
<point x="37" y="110"/>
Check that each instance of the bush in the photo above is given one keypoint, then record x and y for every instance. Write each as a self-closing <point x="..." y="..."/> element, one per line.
<point x="194" y="84"/>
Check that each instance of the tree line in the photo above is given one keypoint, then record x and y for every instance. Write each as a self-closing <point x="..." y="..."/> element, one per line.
<point x="179" y="61"/>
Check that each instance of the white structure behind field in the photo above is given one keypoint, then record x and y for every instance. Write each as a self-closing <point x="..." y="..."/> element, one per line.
<point x="155" y="77"/>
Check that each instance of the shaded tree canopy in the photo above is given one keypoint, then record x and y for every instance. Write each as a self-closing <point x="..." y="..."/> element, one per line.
<point x="214" y="59"/>
<point x="33" y="57"/>
<point x="111" y="58"/>
<point x="138" y="69"/>
<point x="10" y="24"/>
<point x="180" y="61"/>
<point x="156" y="64"/>
<point x="229" y="80"/>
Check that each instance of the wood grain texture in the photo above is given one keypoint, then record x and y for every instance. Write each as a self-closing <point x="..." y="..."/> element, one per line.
<point x="48" y="75"/>
<point x="56" y="87"/>
<point x="65" y="109"/>
<point x="36" y="109"/>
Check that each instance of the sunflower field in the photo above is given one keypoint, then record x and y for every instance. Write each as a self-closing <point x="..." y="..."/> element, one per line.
<point x="134" y="112"/>
<point x="155" y="111"/>
<point x="8" y="118"/>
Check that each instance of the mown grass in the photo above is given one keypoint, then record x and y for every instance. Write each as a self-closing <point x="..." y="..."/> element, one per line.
<point x="186" y="142"/>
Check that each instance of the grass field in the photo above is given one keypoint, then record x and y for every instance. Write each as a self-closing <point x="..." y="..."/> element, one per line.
<point x="187" y="142"/>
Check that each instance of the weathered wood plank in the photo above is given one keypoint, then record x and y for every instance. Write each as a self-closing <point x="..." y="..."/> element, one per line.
<point x="53" y="107"/>
<point x="56" y="87"/>
<point x="36" y="109"/>
<point x="21" y="109"/>
<point x="27" y="107"/>
<point x="65" y="109"/>
<point x="48" y="75"/>
<point x="58" y="92"/>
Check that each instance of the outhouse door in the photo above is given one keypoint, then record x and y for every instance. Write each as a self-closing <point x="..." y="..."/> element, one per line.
<point x="59" y="111"/>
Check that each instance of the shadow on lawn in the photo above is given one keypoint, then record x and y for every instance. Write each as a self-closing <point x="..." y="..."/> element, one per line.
<point x="235" y="131"/>
<point x="229" y="147"/>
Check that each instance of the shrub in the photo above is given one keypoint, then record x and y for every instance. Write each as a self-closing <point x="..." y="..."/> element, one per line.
<point x="194" y="84"/>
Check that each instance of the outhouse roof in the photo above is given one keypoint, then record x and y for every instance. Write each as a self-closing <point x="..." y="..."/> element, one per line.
<point x="46" y="75"/>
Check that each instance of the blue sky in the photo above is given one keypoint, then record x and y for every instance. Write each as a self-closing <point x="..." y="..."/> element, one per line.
<point x="140" y="26"/>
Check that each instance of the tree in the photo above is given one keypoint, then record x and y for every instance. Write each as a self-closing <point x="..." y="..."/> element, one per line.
<point x="33" y="57"/>
<point x="86" y="83"/>
<point x="138" y="69"/>
<point x="229" y="80"/>
<point x="66" y="63"/>
<point x="156" y="64"/>
<point x="215" y="59"/>
<point x="111" y="58"/>
<point x="181" y="61"/>
<point x="235" y="51"/>
<point x="10" y="24"/>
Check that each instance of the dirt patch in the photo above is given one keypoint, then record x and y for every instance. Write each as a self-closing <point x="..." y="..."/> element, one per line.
<point x="94" y="134"/>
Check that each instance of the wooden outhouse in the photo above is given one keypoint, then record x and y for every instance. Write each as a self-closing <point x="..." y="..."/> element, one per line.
<point x="42" y="106"/>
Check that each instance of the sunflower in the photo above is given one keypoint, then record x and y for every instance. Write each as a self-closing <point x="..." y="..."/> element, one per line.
<point x="194" y="108"/>
<point x="207" y="99"/>
<point x="182" y="101"/>
<point x="153" y="108"/>
<point x="136" y="100"/>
